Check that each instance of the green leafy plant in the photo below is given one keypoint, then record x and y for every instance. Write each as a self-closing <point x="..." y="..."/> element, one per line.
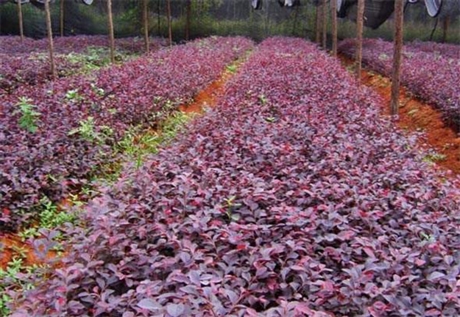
<point x="29" y="117"/>
<point x="173" y="124"/>
<point x="87" y="130"/>
<point x="93" y="59"/>
<point x="51" y="216"/>
<point x="20" y="250"/>
<point x="73" y="95"/>
<point x="38" y="57"/>
<point x="4" y="300"/>
<point x="231" y="206"/>
<point x="28" y="233"/>
<point x="10" y="277"/>
<point x="137" y="143"/>
<point x="75" y="199"/>
<point x="263" y="99"/>
<point x="434" y="157"/>
<point x="384" y="57"/>
<point x="232" y="68"/>
<point x="412" y="112"/>
<point x="12" y="269"/>
<point x="427" y="237"/>
<point x="98" y="91"/>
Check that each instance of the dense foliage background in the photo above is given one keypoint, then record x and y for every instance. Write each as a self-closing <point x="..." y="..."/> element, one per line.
<point x="214" y="17"/>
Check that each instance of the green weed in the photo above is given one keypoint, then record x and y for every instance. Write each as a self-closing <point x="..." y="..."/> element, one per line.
<point x="88" y="131"/>
<point x="173" y="125"/>
<point x="137" y="144"/>
<point x="29" y="117"/>
<point x="98" y="91"/>
<point x="73" y="95"/>
<point x="51" y="216"/>
<point x="28" y="233"/>
<point x="263" y="99"/>
<point x="433" y="158"/>
<point x="412" y="112"/>
<point x="231" y="206"/>
<point x="4" y="300"/>
<point x="232" y="68"/>
<point x="12" y="277"/>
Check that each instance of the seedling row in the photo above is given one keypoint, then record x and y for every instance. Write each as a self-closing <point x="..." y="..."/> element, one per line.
<point x="56" y="135"/>
<point x="430" y="71"/>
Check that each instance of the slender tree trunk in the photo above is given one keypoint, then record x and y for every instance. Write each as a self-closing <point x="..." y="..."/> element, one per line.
<point x="334" y="27"/>
<point x="324" y="23"/>
<point x="188" y="17"/>
<point x="359" y="38"/>
<point x="21" y="24"/>
<point x="61" y="17"/>
<point x="50" y="38"/>
<point x="294" y="25"/>
<point x="445" y="27"/>
<point x="434" y="29"/>
<point x="317" y="25"/>
<point x="145" y="13"/>
<point x="397" y="56"/>
<point x="111" y="32"/>
<point x="158" y="18"/>
<point x="169" y="22"/>
<point x="267" y="19"/>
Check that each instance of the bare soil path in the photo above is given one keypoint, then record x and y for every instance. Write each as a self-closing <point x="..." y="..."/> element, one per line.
<point x="416" y="115"/>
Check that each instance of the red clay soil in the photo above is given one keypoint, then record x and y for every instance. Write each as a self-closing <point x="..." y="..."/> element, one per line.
<point x="12" y="246"/>
<point x="415" y="115"/>
<point x="208" y="96"/>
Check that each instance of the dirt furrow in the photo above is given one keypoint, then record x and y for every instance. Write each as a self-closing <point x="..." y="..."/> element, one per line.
<point x="417" y="116"/>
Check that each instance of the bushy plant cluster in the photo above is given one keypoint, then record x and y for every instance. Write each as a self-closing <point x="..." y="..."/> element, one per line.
<point x="27" y="63"/>
<point x="32" y="69"/>
<point x="446" y="50"/>
<point x="13" y="45"/>
<point x="432" y="75"/>
<point x="292" y="198"/>
<point x="54" y="135"/>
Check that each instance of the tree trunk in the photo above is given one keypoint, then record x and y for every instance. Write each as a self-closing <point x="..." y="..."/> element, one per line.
<point x="445" y="27"/>
<point x="21" y="24"/>
<point x="61" y="18"/>
<point x="434" y="29"/>
<point x="169" y="22"/>
<point x="359" y="38"/>
<point x="50" y="38"/>
<point x="267" y="20"/>
<point x="159" y="18"/>
<point x="294" y="24"/>
<point x="188" y="17"/>
<point x="334" y="27"/>
<point x="111" y="32"/>
<point x="317" y="25"/>
<point x="324" y="23"/>
<point x="397" y="55"/>
<point x="145" y="14"/>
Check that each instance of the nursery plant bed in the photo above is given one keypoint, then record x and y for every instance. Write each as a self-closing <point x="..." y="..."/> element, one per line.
<point x="293" y="197"/>
<point x="17" y="253"/>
